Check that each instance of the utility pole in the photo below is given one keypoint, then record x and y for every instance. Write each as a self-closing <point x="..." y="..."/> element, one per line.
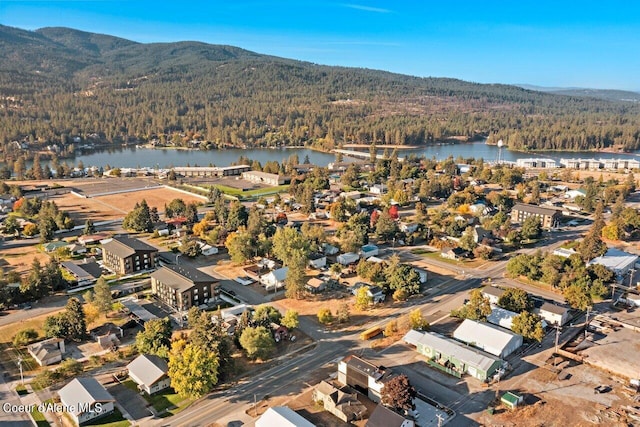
<point x="586" y="323"/>
<point x="556" y="350"/>
<point x="255" y="407"/>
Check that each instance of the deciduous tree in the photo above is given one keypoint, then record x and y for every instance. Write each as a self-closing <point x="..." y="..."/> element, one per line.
<point x="193" y="370"/>
<point x="528" y="325"/>
<point x="398" y="393"/>
<point x="155" y="338"/>
<point x="257" y="342"/>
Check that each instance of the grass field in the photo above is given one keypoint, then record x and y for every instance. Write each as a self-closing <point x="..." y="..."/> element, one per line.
<point x="114" y="420"/>
<point x="39" y="418"/>
<point x="251" y="193"/>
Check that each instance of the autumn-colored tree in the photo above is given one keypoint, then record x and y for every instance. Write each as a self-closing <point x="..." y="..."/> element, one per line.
<point x="398" y="393"/>
<point x="193" y="370"/>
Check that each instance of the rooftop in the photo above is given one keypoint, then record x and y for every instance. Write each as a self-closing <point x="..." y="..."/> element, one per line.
<point x="535" y="209"/>
<point x="83" y="392"/>
<point x="148" y="368"/>
<point x="282" y="416"/>
<point x="181" y="277"/>
<point x="448" y="347"/>
<point x="488" y="336"/>
<point x="615" y="259"/>
<point x="124" y="246"/>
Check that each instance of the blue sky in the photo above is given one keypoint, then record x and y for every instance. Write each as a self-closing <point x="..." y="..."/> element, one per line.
<point x="546" y="43"/>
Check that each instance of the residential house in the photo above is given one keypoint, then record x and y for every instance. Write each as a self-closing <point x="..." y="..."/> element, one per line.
<point x="452" y="357"/>
<point x="369" y="250"/>
<point x="53" y="246"/>
<point x="126" y="255"/>
<point x="150" y="373"/>
<point x="229" y="317"/>
<point x="492" y="293"/>
<point x="549" y="217"/>
<point x="385" y="417"/>
<point x="492" y="339"/>
<point x="182" y="287"/>
<point x="409" y="227"/>
<point x="343" y="405"/>
<point x="84" y="272"/>
<point x="317" y="260"/>
<point x="553" y="314"/>
<point x="92" y="238"/>
<point x="316" y="285"/>
<point x="376" y="293"/>
<point x="347" y="258"/>
<point x="47" y="352"/>
<point x="86" y="399"/>
<point x="572" y="194"/>
<point x="136" y="311"/>
<point x="107" y="335"/>
<point x="282" y="416"/>
<point x="454" y="253"/>
<point x="482" y="236"/>
<point x="378" y="189"/>
<point x="274" y="279"/>
<point x="329" y="249"/>
<point x="363" y="376"/>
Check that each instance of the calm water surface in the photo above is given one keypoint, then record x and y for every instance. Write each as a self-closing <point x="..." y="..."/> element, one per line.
<point x="132" y="157"/>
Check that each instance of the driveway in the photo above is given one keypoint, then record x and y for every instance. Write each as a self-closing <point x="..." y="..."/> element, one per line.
<point x="131" y="401"/>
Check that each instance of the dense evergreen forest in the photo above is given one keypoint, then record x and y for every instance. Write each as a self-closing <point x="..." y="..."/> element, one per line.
<point x="58" y="83"/>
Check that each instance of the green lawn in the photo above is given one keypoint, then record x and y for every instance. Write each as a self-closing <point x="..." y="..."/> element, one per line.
<point x="162" y="401"/>
<point x="39" y="418"/>
<point x="21" y="390"/>
<point x="250" y="193"/>
<point x="114" y="420"/>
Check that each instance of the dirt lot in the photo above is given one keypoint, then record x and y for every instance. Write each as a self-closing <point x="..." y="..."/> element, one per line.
<point x="116" y="206"/>
<point x="21" y="259"/>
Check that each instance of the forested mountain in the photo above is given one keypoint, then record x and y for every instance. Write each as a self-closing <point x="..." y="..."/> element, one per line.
<point x="56" y="83"/>
<point x="607" y="94"/>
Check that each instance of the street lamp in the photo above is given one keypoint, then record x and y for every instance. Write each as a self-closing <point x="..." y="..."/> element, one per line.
<point x="20" y="366"/>
<point x="177" y="256"/>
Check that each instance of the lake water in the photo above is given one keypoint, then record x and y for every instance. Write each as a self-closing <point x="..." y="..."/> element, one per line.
<point x="132" y="157"/>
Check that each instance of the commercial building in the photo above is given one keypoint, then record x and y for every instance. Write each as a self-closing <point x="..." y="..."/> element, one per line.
<point x="549" y="218"/>
<point x="492" y="339"/>
<point x="182" y="287"/>
<point x="212" y="171"/>
<point x="86" y="399"/>
<point x="264" y="178"/>
<point x="452" y="357"/>
<point x="618" y="261"/>
<point x="126" y="255"/>
<point x="363" y="376"/>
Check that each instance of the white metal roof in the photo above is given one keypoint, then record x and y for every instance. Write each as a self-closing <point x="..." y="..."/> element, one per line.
<point x="449" y="347"/>
<point x="282" y="416"/>
<point x="490" y="338"/>
<point x="83" y="392"/>
<point x="615" y="260"/>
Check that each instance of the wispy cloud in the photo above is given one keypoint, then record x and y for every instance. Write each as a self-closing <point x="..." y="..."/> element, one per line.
<point x="365" y="8"/>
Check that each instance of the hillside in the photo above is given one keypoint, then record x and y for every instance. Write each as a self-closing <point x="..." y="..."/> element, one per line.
<point x="606" y="94"/>
<point x="58" y="82"/>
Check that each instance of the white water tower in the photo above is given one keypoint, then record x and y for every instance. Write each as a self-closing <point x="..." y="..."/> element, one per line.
<point x="500" y="144"/>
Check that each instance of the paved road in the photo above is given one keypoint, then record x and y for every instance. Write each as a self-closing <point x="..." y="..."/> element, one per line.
<point x="290" y="375"/>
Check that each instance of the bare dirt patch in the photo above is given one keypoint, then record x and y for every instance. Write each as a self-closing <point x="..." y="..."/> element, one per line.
<point x="21" y="259"/>
<point x="156" y="197"/>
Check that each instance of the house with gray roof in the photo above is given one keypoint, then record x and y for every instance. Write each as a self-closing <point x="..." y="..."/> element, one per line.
<point x="181" y="286"/>
<point x="126" y="255"/>
<point x="150" y="373"/>
<point x="84" y="272"/>
<point x="86" y="399"/>
<point x="47" y="352"/>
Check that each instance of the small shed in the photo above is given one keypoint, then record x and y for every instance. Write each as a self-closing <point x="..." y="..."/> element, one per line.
<point x="511" y="400"/>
